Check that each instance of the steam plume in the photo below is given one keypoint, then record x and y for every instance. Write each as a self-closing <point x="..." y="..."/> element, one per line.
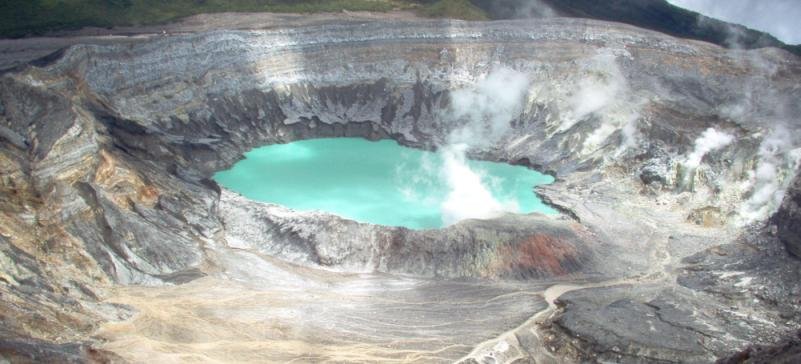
<point x="483" y="114"/>
<point x="603" y="92"/>
<point x="468" y="197"/>
<point x="485" y="110"/>
<point x="709" y="141"/>
<point x="774" y="172"/>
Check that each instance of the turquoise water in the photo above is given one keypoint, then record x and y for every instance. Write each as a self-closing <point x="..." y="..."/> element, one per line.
<point x="377" y="182"/>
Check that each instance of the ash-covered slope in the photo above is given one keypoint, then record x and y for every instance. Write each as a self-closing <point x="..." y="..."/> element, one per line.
<point x="663" y="149"/>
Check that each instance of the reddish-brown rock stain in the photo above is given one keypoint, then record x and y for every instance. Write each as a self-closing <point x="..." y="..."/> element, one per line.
<point x="543" y="253"/>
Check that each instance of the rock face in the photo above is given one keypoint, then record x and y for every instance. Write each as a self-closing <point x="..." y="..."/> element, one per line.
<point x="521" y="247"/>
<point x="106" y="151"/>
<point x="788" y="351"/>
<point x="788" y="219"/>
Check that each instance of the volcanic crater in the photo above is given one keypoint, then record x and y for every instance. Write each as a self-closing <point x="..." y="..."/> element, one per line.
<point x="671" y="245"/>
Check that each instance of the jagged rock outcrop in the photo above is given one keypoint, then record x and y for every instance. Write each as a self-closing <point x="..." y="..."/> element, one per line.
<point x="785" y="352"/>
<point x="788" y="219"/>
<point x="109" y="216"/>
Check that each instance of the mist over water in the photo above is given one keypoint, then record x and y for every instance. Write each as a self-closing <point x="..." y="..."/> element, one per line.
<point x="479" y="116"/>
<point x="383" y="182"/>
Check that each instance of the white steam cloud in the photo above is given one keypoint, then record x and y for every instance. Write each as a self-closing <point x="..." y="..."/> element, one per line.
<point x="772" y="107"/>
<point x="483" y="114"/>
<point x="709" y="141"/>
<point x="596" y="92"/>
<point x="468" y="197"/>
<point x="602" y="92"/>
<point x="771" y="178"/>
<point x="485" y="110"/>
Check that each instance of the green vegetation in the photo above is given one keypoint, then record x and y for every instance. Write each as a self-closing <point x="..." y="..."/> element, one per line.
<point x="455" y="9"/>
<point x="33" y="17"/>
<point x="24" y="17"/>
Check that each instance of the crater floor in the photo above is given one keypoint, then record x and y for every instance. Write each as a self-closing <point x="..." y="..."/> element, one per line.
<point x="259" y="310"/>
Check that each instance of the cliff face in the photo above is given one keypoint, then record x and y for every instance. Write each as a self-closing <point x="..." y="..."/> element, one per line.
<point x="788" y="219"/>
<point x="106" y="153"/>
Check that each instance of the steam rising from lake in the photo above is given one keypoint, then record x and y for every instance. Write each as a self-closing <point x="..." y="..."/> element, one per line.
<point x="482" y="113"/>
